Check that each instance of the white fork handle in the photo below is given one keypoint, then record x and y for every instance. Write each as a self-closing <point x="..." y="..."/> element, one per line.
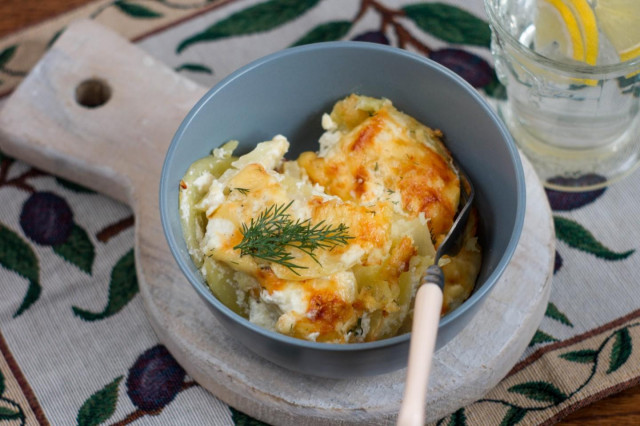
<point x="426" y="317"/>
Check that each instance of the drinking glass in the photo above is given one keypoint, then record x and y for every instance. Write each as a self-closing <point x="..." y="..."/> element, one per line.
<point x="577" y="123"/>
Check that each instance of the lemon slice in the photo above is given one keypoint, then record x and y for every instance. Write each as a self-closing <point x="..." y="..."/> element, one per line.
<point x="620" y="22"/>
<point x="556" y="24"/>
<point x="588" y="28"/>
<point x="571" y="24"/>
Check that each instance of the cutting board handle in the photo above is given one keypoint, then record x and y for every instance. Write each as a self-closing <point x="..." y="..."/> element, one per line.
<point x="98" y="111"/>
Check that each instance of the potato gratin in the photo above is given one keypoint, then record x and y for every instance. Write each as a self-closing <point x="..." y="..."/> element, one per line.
<point x="331" y="247"/>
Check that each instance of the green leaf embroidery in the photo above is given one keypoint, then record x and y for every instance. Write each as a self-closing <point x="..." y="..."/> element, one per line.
<point x="7" y="54"/>
<point x="123" y="287"/>
<point x="4" y="156"/>
<point x="100" y="406"/>
<point x="136" y="10"/>
<point x="72" y="186"/>
<point x="55" y="37"/>
<point x="77" y="249"/>
<point x="458" y="418"/>
<point x="241" y="419"/>
<point x="450" y="23"/>
<point x="513" y="416"/>
<point x="554" y="313"/>
<point x="258" y="18"/>
<point x="539" y="391"/>
<point x="329" y="31"/>
<point x="2" y="385"/>
<point x="576" y="236"/>
<point x="495" y="89"/>
<point x="621" y="351"/>
<point x="583" y="356"/>
<point x="194" y="68"/>
<point x="541" y="337"/>
<point x="7" y="413"/>
<point x="17" y="256"/>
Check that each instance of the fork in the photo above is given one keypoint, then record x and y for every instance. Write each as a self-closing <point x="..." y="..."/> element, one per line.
<point x="426" y="317"/>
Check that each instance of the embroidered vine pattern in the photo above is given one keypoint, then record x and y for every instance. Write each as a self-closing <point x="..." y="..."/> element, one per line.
<point x="9" y="409"/>
<point x="577" y="237"/>
<point x="446" y="22"/>
<point x="152" y="382"/>
<point x="135" y="9"/>
<point x="47" y="220"/>
<point x="547" y="393"/>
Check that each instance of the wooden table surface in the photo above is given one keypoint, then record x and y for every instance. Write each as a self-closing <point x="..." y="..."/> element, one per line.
<point x="620" y="409"/>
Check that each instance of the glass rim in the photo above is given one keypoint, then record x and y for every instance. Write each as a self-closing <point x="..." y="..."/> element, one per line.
<point x="630" y="66"/>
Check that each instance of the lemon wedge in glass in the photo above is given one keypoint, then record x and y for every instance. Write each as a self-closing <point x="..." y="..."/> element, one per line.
<point x="568" y="26"/>
<point x="619" y="20"/>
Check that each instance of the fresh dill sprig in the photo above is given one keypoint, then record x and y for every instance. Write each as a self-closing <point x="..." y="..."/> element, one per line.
<point x="274" y="232"/>
<point x="243" y="191"/>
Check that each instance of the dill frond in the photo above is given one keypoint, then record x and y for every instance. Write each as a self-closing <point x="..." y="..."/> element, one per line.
<point x="273" y="233"/>
<point x="243" y="191"/>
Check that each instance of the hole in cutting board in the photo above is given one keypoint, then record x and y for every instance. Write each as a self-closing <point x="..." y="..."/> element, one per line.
<point x="92" y="93"/>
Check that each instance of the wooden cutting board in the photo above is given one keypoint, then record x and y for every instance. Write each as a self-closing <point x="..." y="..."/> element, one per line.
<point x="99" y="111"/>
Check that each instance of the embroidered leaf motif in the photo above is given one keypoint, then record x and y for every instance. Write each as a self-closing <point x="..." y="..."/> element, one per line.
<point x="17" y="256"/>
<point x="554" y="313"/>
<point x="621" y="350"/>
<point x="194" y="68"/>
<point x="100" y="406"/>
<point x="123" y="287"/>
<point x="7" y="54"/>
<point x="1" y="383"/>
<point x="72" y="186"/>
<point x="77" y="249"/>
<point x="372" y="37"/>
<point x="450" y="23"/>
<point x="576" y="236"/>
<point x="513" y="416"/>
<point x="4" y="156"/>
<point x="258" y="18"/>
<point x="495" y="89"/>
<point x="458" y="418"/>
<point x="136" y="10"/>
<point x="584" y="356"/>
<point x="46" y="218"/>
<point x="566" y="201"/>
<point x="7" y="413"/>
<point x="557" y="264"/>
<point x="474" y="69"/>
<point x="241" y="419"/>
<point x="541" y="337"/>
<point x="55" y="37"/>
<point x="329" y="31"/>
<point x="154" y="379"/>
<point x="539" y="391"/>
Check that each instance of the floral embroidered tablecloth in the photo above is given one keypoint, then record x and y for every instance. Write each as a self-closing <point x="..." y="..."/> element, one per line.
<point x="75" y="345"/>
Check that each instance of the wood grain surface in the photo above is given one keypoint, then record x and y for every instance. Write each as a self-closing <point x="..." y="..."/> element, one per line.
<point x="621" y="408"/>
<point x="18" y="14"/>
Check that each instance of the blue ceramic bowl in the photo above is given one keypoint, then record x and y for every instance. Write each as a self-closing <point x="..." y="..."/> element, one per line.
<point x="286" y="93"/>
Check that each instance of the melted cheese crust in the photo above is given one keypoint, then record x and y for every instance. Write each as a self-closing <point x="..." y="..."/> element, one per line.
<point x="323" y="300"/>
<point x="372" y="151"/>
<point x="379" y="172"/>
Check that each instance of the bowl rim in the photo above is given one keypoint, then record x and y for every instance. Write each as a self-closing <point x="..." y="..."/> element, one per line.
<point x="204" y="291"/>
